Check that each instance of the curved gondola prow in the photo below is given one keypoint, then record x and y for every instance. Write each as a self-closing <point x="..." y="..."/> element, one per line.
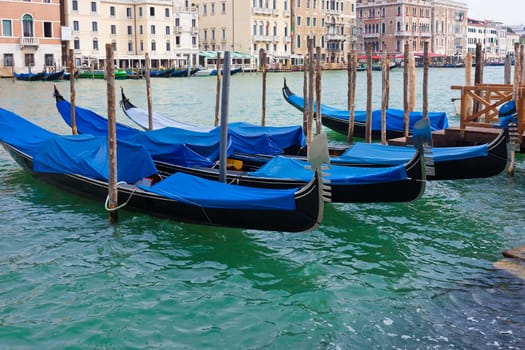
<point x="319" y="159"/>
<point x="124" y="102"/>
<point x="56" y="94"/>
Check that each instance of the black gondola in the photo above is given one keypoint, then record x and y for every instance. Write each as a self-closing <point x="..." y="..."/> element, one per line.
<point x="201" y="201"/>
<point x="400" y="183"/>
<point x="450" y="163"/>
<point x="338" y="119"/>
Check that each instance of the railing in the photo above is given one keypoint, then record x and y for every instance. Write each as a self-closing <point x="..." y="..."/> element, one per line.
<point x="262" y="11"/>
<point x="336" y="37"/>
<point x="480" y="105"/>
<point x="263" y="37"/>
<point x="29" y="41"/>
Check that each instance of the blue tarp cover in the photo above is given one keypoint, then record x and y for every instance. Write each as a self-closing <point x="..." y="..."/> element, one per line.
<point x="394" y="117"/>
<point x="245" y="138"/>
<point x="88" y="155"/>
<point x="181" y="147"/>
<point x="289" y="168"/>
<point x="376" y="153"/>
<point x="73" y="154"/>
<point x="254" y="139"/>
<point x="213" y="194"/>
<point x="14" y="130"/>
<point x="171" y="145"/>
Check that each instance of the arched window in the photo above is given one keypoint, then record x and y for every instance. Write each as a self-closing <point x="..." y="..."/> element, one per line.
<point x="27" y="23"/>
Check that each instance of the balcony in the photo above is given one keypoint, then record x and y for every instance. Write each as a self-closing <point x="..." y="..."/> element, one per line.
<point x="177" y="30"/>
<point x="29" y="41"/>
<point x="335" y="37"/>
<point x="286" y="13"/>
<point x="371" y="35"/>
<point x="262" y="11"/>
<point x="266" y="38"/>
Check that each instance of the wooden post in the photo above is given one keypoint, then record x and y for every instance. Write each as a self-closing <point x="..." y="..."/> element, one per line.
<point x="468" y="82"/>
<point x="517" y="71"/>
<point x="478" y="74"/>
<point x="368" y="126"/>
<point x="305" y="95"/>
<point x="318" y="91"/>
<point x="72" y="94"/>
<point x="310" y="74"/>
<point x="426" y="62"/>
<point x="218" y="90"/>
<point x="310" y="91"/>
<point x="148" y="92"/>
<point x="406" y="109"/>
<point x="352" y="70"/>
<point x="264" y="72"/>
<point x="225" y="102"/>
<point x="508" y="67"/>
<point x="412" y="81"/>
<point x="522" y="66"/>
<point x="112" y="136"/>
<point x="385" y="66"/>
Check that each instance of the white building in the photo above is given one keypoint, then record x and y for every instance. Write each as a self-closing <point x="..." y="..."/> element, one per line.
<point x="166" y="29"/>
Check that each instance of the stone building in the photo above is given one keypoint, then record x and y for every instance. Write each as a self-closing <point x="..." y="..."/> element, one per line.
<point x="391" y="24"/>
<point x="30" y="36"/>
<point x="166" y="29"/>
<point x="279" y="27"/>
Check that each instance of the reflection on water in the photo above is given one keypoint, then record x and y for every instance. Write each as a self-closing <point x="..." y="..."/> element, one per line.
<point x="404" y="276"/>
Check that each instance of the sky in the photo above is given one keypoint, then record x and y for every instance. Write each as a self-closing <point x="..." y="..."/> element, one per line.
<point x="510" y="12"/>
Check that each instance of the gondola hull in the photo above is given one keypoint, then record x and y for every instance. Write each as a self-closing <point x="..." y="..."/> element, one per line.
<point x="404" y="190"/>
<point x="471" y="165"/>
<point x="391" y="190"/>
<point x="338" y="120"/>
<point x="308" y="213"/>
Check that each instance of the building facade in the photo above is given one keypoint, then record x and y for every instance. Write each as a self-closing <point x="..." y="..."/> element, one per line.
<point x="165" y="29"/>
<point x="390" y="24"/>
<point x="279" y="27"/>
<point x="449" y="28"/>
<point x="30" y="35"/>
<point x="495" y="38"/>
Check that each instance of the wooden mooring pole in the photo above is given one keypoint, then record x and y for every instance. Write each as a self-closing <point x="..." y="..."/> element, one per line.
<point x="368" y="124"/>
<point x="385" y="66"/>
<point x="225" y="103"/>
<point x="112" y="136"/>
<point x="305" y="95"/>
<point x="148" y="92"/>
<point x="263" y="102"/>
<point x="218" y="90"/>
<point x="318" y="115"/>
<point x="72" y="93"/>
<point x="352" y="74"/>
<point x="406" y="110"/>
<point x="310" y="90"/>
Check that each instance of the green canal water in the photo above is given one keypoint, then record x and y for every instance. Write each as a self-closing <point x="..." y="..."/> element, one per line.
<point x="418" y="275"/>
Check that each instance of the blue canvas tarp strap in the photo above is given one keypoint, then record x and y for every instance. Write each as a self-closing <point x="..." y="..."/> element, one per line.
<point x="213" y="194"/>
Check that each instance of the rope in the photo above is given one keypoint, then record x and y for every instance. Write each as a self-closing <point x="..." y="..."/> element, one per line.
<point x="123" y="204"/>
